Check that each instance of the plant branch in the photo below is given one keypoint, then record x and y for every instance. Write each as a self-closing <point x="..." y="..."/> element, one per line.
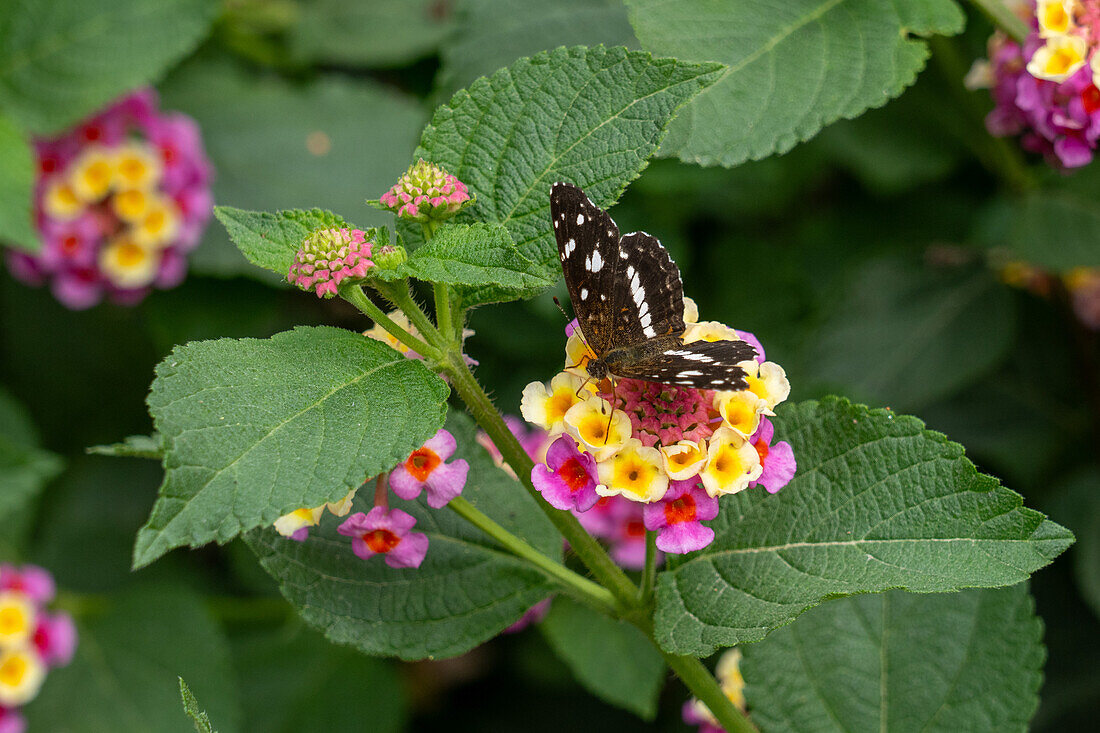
<point x="398" y="293"/>
<point x="355" y="295"/>
<point x="489" y="418"/>
<point x="706" y="689"/>
<point x="580" y="587"/>
<point x="649" y="573"/>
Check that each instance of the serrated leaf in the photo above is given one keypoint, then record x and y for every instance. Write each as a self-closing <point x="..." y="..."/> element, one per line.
<point x="132" y="446"/>
<point x="878" y="502"/>
<point x="270" y="240"/>
<point x="794" y="66"/>
<point x="905" y="335"/>
<point x="124" y="677"/>
<point x="194" y="711"/>
<point x="254" y="429"/>
<point x="17" y="172"/>
<point x="481" y="260"/>
<point x="491" y="34"/>
<point x="591" y="116"/>
<point x="282" y="145"/>
<point x="902" y="662"/>
<point x="466" y="591"/>
<point x="374" y="34"/>
<point x="611" y="658"/>
<point x="61" y="60"/>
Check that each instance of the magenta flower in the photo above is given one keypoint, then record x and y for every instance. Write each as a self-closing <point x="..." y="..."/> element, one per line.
<point x="34" y="582"/>
<point x="426" y="468"/>
<point x="778" y="460"/>
<point x="568" y="478"/>
<point x="755" y="343"/>
<point x="676" y="517"/>
<point x="386" y="533"/>
<point x="120" y="200"/>
<point x="11" y="721"/>
<point x="327" y="258"/>
<point x="425" y="192"/>
<point x="55" y="638"/>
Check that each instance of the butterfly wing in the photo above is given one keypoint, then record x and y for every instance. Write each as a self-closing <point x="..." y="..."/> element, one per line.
<point x="588" y="247"/>
<point x="648" y="295"/>
<point x="700" y="364"/>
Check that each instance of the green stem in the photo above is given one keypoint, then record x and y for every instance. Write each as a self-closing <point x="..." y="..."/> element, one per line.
<point x="398" y="293"/>
<point x="706" y="689"/>
<point x="443" y="310"/>
<point x="1003" y="18"/>
<point x="359" y="299"/>
<point x="489" y="418"/>
<point x="580" y="587"/>
<point x="649" y="573"/>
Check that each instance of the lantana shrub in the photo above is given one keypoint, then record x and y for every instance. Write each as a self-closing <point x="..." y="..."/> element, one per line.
<point x="678" y="521"/>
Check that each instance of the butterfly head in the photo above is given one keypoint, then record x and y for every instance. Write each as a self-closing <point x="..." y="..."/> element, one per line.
<point x="597" y="369"/>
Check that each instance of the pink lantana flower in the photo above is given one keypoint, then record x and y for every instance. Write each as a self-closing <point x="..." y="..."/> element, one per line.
<point x="676" y="517"/>
<point x="329" y="257"/>
<point x="55" y="638"/>
<point x="568" y="478"/>
<point x="425" y="192"/>
<point x="11" y="721"/>
<point x="427" y="469"/>
<point x="34" y="582"/>
<point x="383" y="532"/>
<point x="778" y="460"/>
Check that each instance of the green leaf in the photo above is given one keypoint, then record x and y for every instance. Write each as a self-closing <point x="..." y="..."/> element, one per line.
<point x="300" y="683"/>
<point x="906" y="335"/>
<point x="16" y="188"/>
<point x="466" y="591"/>
<point x="878" y="503"/>
<point x="494" y="33"/>
<point x="591" y="116"/>
<point x="902" y="662"/>
<point x="62" y="60"/>
<point x="482" y="259"/>
<point x="133" y="446"/>
<point x="334" y="142"/>
<point x="377" y="33"/>
<point x="271" y="240"/>
<point x="1057" y="227"/>
<point x="125" y="675"/>
<point x="611" y="658"/>
<point x="793" y="68"/>
<point x="254" y="429"/>
<point x="25" y="469"/>
<point x="191" y="707"/>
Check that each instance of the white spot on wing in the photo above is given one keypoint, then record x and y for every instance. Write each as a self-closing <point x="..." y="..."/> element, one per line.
<point x="584" y="293"/>
<point x="690" y="373"/>
<point x="570" y="246"/>
<point x="638" y="294"/>
<point x="580" y="219"/>
<point x="596" y="262"/>
<point x="648" y="331"/>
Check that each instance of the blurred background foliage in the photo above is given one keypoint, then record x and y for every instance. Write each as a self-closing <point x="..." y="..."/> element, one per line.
<point x="860" y="259"/>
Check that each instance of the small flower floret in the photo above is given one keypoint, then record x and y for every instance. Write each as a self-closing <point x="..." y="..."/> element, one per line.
<point x="676" y="517"/>
<point x="386" y="532"/>
<point x="567" y="480"/>
<point x="329" y="257"/>
<point x="426" y="469"/>
<point x="426" y="192"/>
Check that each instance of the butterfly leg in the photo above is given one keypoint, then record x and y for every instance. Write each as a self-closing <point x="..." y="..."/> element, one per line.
<point x="607" y="430"/>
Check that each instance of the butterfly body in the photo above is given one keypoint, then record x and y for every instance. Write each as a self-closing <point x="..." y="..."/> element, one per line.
<point x="629" y="300"/>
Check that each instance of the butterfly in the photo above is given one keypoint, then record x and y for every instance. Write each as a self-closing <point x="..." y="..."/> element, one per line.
<point x="629" y="301"/>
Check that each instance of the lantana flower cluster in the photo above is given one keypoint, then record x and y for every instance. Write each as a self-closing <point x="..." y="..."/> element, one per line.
<point x="1048" y="89"/>
<point x="728" y="673"/>
<point x="328" y="257"/>
<point x="32" y="639"/>
<point x="426" y="192"/>
<point x="119" y="202"/>
<point x="670" y="451"/>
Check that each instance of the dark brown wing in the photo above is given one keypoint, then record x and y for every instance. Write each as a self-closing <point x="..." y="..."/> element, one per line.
<point x="701" y="364"/>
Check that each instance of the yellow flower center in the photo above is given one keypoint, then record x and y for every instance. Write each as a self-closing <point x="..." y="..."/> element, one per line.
<point x="740" y="414"/>
<point x="634" y="475"/>
<point x="1055" y="17"/>
<point x="13" y="669"/>
<point x="685" y="458"/>
<point x="757" y="387"/>
<point x="128" y="255"/>
<point x="132" y="168"/>
<point x="12" y="621"/>
<point x="559" y="403"/>
<point x="1062" y="60"/>
<point x="727" y="465"/>
<point x="130" y="204"/>
<point x="593" y="429"/>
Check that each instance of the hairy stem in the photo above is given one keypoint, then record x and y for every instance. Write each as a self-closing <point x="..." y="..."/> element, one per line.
<point x="443" y="310"/>
<point x="649" y="574"/>
<point x="489" y="418"/>
<point x="579" y="587"/>
<point x="705" y="688"/>
<point x="355" y="295"/>
<point x="398" y="293"/>
<point x="1003" y="18"/>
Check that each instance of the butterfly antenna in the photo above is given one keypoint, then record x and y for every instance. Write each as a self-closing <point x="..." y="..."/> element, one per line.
<point x="614" y="398"/>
